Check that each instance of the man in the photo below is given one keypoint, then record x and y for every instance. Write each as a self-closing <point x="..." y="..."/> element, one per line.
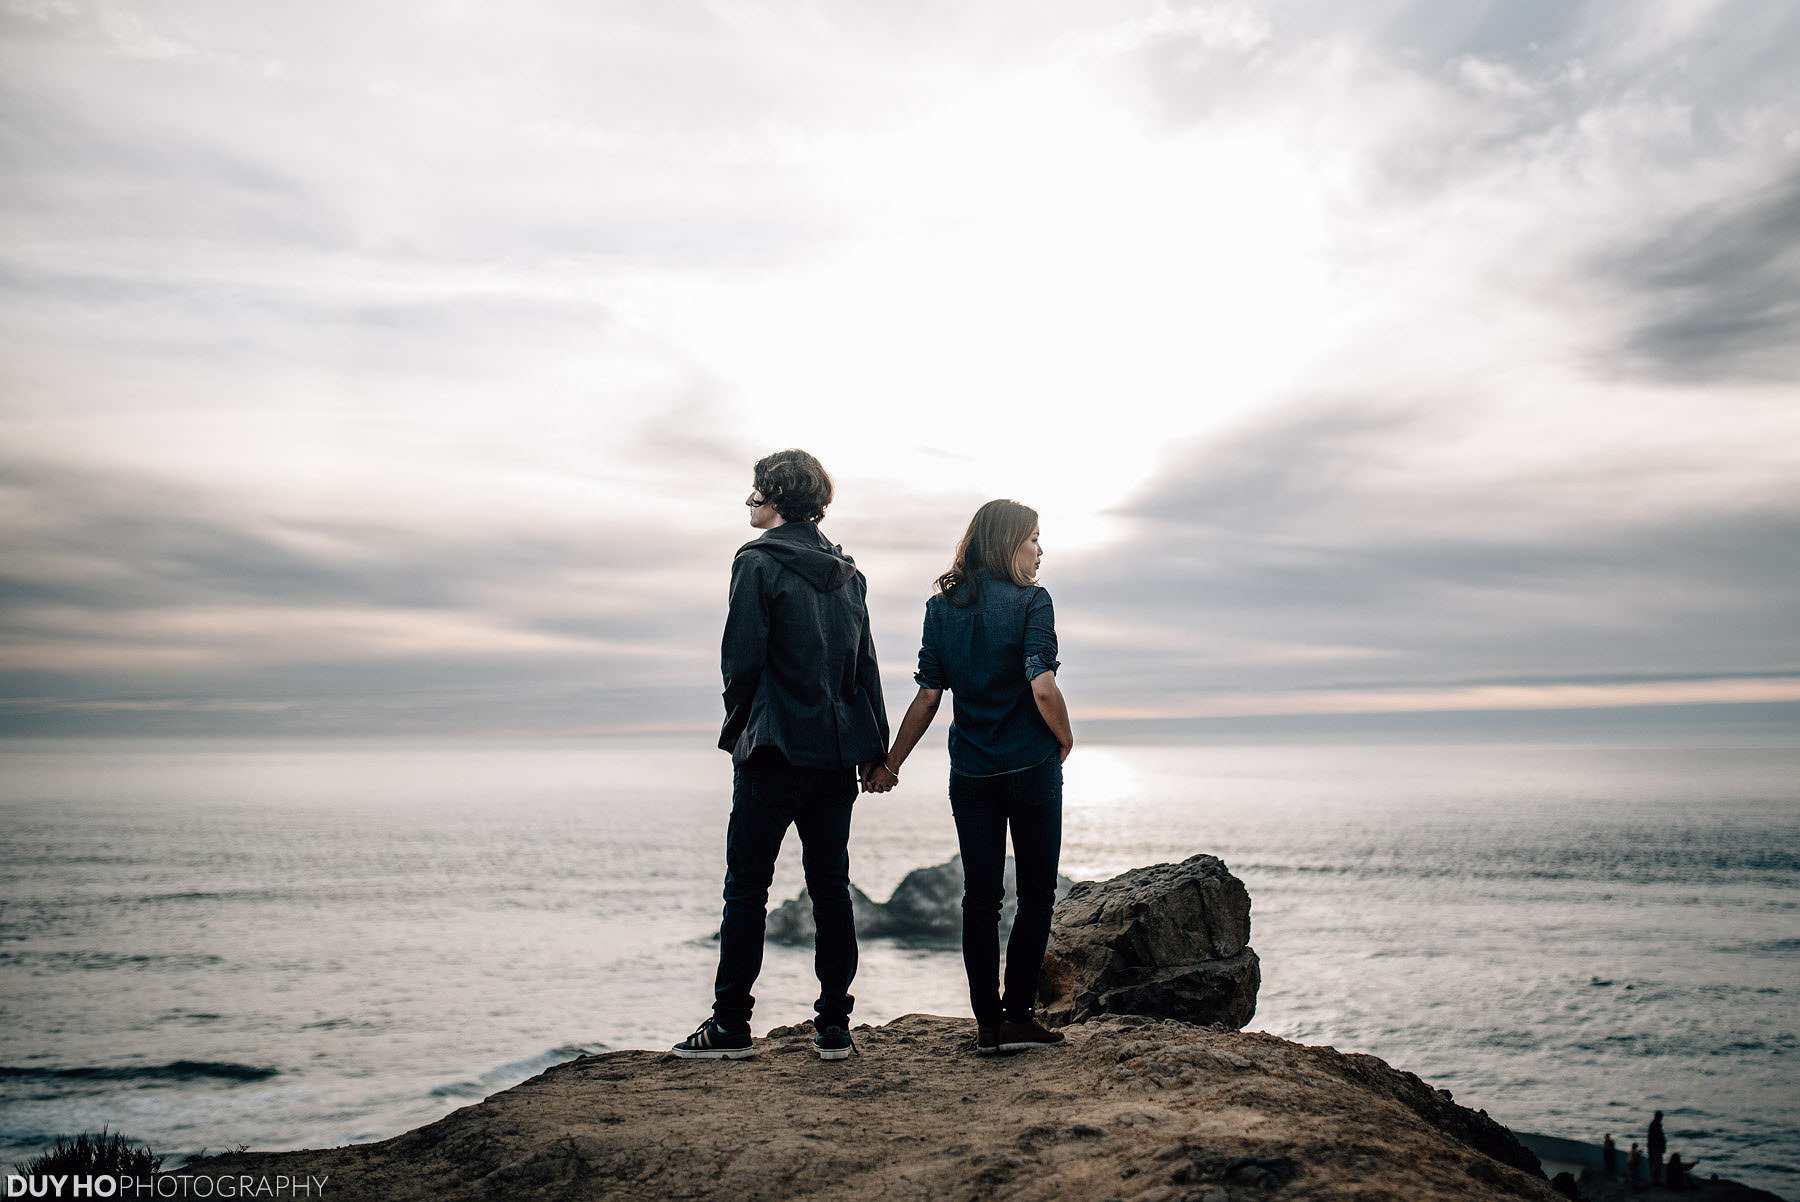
<point x="804" y="719"/>
<point x="1654" y="1145"/>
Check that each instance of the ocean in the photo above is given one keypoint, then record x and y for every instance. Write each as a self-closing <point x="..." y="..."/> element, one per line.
<point x="303" y="944"/>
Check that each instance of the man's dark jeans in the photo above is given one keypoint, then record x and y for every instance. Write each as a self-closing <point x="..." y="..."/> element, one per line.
<point x="1030" y="803"/>
<point x="767" y="795"/>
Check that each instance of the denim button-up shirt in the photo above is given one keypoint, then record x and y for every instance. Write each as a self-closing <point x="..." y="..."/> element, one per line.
<point x="986" y="654"/>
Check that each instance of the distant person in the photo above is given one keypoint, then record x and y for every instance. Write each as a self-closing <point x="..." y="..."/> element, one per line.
<point x="1634" y="1164"/>
<point x="804" y="719"/>
<point x="990" y="638"/>
<point x="1609" y="1156"/>
<point x="1564" y="1184"/>
<point x="1676" y="1175"/>
<point x="1654" y="1145"/>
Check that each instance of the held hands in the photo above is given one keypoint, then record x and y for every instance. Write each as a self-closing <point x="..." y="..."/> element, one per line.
<point x="877" y="777"/>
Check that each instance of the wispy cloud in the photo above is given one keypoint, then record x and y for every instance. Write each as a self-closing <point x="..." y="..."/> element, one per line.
<point x="1335" y="545"/>
<point x="1718" y="289"/>
<point x="402" y="368"/>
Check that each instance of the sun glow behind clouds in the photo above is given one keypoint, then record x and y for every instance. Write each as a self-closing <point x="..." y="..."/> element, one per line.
<point x="1351" y="354"/>
<point x="1037" y="289"/>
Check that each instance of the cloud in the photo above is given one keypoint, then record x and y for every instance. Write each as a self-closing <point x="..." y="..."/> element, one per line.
<point x="377" y="369"/>
<point x="127" y="587"/>
<point x="108" y="539"/>
<point x="1717" y="290"/>
<point x="1322" y="548"/>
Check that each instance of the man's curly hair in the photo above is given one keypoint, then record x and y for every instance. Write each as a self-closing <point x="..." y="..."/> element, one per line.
<point x="796" y="482"/>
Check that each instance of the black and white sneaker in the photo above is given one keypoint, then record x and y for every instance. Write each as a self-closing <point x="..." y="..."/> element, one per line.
<point x="832" y="1043"/>
<point x="710" y="1041"/>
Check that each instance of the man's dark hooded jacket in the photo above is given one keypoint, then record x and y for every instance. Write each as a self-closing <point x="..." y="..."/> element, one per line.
<point x="799" y="665"/>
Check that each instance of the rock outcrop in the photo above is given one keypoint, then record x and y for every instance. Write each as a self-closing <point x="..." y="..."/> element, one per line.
<point x="792" y="921"/>
<point x="1130" y="1109"/>
<point x="927" y="904"/>
<point x="1171" y="940"/>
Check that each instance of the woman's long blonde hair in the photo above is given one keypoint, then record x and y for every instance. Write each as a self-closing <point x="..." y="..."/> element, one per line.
<point x="990" y="544"/>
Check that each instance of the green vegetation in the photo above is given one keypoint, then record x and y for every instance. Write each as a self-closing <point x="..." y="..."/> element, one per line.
<point x="86" y="1155"/>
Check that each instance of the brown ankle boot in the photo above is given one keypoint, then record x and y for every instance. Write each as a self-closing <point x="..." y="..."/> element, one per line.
<point x="1024" y="1034"/>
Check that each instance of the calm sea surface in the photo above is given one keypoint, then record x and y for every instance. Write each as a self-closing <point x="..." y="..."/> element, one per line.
<point x="286" y="945"/>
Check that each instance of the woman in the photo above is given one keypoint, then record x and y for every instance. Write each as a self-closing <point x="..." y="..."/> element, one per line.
<point x="990" y="638"/>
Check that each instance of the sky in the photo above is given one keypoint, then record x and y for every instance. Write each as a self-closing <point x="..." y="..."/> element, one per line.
<point x="399" y="369"/>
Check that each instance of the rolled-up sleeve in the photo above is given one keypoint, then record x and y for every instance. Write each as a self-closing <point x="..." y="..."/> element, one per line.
<point x="1040" y="636"/>
<point x="931" y="670"/>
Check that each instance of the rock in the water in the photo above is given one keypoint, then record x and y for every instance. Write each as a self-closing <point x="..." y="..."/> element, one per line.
<point x="792" y="920"/>
<point x="927" y="904"/>
<point x="929" y="900"/>
<point x="1171" y="940"/>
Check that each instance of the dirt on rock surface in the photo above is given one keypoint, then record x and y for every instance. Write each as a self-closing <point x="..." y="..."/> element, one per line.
<point x="1130" y="1109"/>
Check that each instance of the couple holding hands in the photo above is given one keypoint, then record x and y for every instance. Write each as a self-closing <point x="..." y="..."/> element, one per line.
<point x="806" y="726"/>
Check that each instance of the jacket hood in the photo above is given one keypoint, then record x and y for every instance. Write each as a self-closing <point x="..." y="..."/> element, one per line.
<point x="800" y="546"/>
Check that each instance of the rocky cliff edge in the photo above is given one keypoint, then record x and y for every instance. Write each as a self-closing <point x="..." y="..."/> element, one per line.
<point x="1130" y="1108"/>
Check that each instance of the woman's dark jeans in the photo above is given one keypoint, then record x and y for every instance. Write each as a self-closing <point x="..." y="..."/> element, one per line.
<point x="767" y="795"/>
<point x="1030" y="802"/>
